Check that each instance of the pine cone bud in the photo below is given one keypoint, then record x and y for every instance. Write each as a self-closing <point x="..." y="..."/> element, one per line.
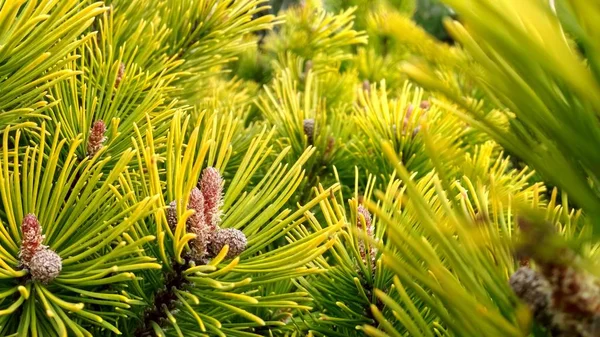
<point x="533" y="289"/>
<point x="195" y="224"/>
<point x="120" y="75"/>
<point x="45" y="265"/>
<point x="197" y="203"/>
<point x="369" y="229"/>
<point x="309" y="129"/>
<point x="211" y="185"/>
<point x="32" y="239"/>
<point x="425" y="105"/>
<point x="229" y="236"/>
<point x="96" y="138"/>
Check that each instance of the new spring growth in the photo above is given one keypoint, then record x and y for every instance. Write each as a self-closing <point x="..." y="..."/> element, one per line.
<point x="206" y="200"/>
<point x="368" y="227"/>
<point x="32" y="239"/>
<point x="96" y="138"/>
<point x="195" y="224"/>
<point x="211" y="185"/>
<point x="308" y="125"/>
<point x="43" y="264"/>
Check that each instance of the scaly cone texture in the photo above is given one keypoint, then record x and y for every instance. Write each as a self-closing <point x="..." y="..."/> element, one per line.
<point x="234" y="238"/>
<point x="207" y="201"/>
<point x="45" y="265"/>
<point x="32" y="239"/>
<point x="533" y="289"/>
<point x="195" y="224"/>
<point x="211" y="185"/>
<point x="198" y="225"/>
<point x="96" y="138"/>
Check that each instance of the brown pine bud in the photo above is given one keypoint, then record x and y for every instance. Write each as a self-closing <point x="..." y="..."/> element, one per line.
<point x="45" y="265"/>
<point x="533" y="289"/>
<point x="211" y="185"/>
<point x="120" y="75"/>
<point x="229" y="236"/>
<point x="575" y="299"/>
<point x="96" y="138"/>
<point x="32" y="239"/>
<point x="368" y="227"/>
<point x="425" y="105"/>
<point x="172" y="215"/>
<point x="309" y="129"/>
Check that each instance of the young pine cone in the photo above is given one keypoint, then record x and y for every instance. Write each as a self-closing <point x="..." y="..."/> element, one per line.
<point x="368" y="226"/>
<point x="196" y="223"/>
<point x="45" y="266"/>
<point x="32" y="239"/>
<point x="533" y="289"/>
<point x="96" y="138"/>
<point x="211" y="185"/>
<point x="229" y="236"/>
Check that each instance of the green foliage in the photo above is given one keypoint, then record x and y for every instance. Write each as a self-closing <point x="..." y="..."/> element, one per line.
<point x="551" y="92"/>
<point x="206" y="168"/>
<point x="37" y="37"/>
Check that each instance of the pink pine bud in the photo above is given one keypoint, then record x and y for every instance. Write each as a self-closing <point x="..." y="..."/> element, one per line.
<point x="211" y="185"/>
<point x="229" y="236"/>
<point x="32" y="238"/>
<point x="196" y="202"/>
<point x="120" y="75"/>
<point x="96" y="138"/>
<point x="45" y="265"/>
<point x="195" y="224"/>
